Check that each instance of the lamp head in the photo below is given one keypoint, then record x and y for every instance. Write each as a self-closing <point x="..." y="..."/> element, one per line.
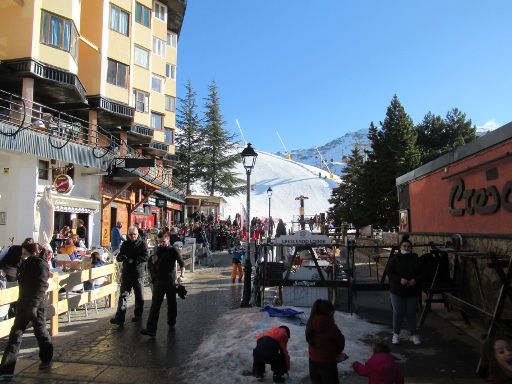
<point x="269" y="192"/>
<point x="249" y="157"/>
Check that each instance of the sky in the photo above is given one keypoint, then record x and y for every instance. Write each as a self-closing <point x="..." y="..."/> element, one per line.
<point x="315" y="70"/>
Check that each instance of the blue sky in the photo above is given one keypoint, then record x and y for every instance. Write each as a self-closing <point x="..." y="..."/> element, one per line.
<point x="314" y="70"/>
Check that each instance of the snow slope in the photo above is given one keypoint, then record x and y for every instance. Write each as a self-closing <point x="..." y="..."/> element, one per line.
<point x="288" y="179"/>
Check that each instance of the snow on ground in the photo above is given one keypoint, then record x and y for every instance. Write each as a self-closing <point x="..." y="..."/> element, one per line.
<point x="288" y="179"/>
<point x="225" y="354"/>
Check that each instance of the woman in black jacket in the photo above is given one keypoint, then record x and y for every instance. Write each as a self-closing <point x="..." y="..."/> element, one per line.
<point x="404" y="287"/>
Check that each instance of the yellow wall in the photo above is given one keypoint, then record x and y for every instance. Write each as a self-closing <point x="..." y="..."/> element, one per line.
<point x="142" y="36"/>
<point x="119" y="48"/>
<point x="170" y="87"/>
<point x="171" y="55"/>
<point x="159" y="136"/>
<point x="158" y="65"/>
<point x="169" y="119"/>
<point x="89" y="62"/>
<point x="125" y="5"/>
<point x="116" y="93"/>
<point x="157" y="103"/>
<point x="142" y="118"/>
<point x="141" y="78"/>
<point x="172" y="149"/>
<point x="16" y="18"/>
<point x="159" y="28"/>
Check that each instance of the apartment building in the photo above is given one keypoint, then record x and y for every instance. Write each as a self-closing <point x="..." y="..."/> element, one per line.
<point x="96" y="81"/>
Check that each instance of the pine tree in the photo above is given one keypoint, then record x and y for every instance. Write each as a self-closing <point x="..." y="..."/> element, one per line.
<point x="393" y="154"/>
<point x="348" y="198"/>
<point x="187" y="168"/>
<point x="219" y="150"/>
<point x="436" y="135"/>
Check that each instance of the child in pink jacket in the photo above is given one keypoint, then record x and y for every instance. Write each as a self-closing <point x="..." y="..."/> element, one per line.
<point x="381" y="368"/>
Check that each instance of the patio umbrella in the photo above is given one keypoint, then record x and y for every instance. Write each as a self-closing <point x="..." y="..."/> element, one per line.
<point x="46" y="213"/>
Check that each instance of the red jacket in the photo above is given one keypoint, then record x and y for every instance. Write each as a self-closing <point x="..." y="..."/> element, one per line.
<point x="279" y="335"/>
<point x="328" y="340"/>
<point x="381" y="368"/>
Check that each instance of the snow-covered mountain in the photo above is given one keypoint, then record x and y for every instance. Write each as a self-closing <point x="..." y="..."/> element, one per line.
<point x="288" y="179"/>
<point x="332" y="152"/>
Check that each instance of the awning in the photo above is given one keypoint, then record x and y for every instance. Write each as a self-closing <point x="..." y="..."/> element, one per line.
<point x="75" y="204"/>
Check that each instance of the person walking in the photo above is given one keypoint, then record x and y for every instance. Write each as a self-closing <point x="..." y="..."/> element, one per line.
<point x="236" y="267"/>
<point x="326" y="344"/>
<point x="11" y="262"/>
<point x="133" y="254"/>
<point x="116" y="237"/>
<point x="404" y="286"/>
<point x="31" y="307"/>
<point x="163" y="276"/>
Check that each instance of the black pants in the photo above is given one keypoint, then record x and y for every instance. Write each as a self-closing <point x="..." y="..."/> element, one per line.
<point x="25" y="315"/>
<point x="162" y="288"/>
<point x="126" y="288"/>
<point x="323" y="373"/>
<point x="268" y="351"/>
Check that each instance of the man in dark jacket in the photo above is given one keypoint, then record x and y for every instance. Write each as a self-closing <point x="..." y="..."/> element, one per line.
<point x="133" y="254"/>
<point x="163" y="276"/>
<point x="32" y="303"/>
<point x="281" y="228"/>
<point x="12" y="260"/>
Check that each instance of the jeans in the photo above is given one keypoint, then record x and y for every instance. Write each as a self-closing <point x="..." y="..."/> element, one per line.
<point x="24" y="315"/>
<point x="126" y="289"/>
<point x="160" y="289"/>
<point x="323" y="373"/>
<point x="403" y="305"/>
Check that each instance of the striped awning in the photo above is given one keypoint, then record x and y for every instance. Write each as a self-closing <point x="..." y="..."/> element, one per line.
<point x="62" y="208"/>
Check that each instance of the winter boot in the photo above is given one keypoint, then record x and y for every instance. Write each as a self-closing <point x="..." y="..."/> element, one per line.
<point x="278" y="379"/>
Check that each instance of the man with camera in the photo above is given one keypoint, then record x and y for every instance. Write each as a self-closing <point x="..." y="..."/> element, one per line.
<point x="133" y="254"/>
<point x="163" y="275"/>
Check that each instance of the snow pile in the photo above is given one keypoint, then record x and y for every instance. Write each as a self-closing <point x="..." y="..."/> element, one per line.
<point x="225" y="354"/>
<point x="288" y="179"/>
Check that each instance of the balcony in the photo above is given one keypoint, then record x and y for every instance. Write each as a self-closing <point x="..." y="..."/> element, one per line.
<point x="139" y="134"/>
<point x="111" y="113"/>
<point x="53" y="85"/>
<point x="155" y="148"/>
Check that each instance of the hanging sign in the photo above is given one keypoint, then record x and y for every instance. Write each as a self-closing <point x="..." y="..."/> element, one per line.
<point x="63" y="183"/>
<point x="303" y="238"/>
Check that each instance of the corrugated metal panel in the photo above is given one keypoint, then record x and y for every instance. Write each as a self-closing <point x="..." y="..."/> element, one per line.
<point x="37" y="144"/>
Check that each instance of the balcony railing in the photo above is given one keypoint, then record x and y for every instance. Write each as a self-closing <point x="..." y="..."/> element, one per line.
<point x="62" y="129"/>
<point x="111" y="106"/>
<point x="141" y="130"/>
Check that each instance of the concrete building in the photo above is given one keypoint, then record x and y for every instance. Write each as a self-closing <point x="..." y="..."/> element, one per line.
<point x="83" y="86"/>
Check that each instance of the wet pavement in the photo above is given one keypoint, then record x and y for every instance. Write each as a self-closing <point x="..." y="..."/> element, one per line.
<point x="91" y="350"/>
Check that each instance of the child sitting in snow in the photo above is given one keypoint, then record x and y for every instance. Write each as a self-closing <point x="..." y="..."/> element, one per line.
<point x="272" y="348"/>
<point x="381" y="368"/>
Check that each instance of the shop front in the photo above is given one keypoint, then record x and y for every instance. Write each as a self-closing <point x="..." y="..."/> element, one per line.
<point x="198" y="205"/>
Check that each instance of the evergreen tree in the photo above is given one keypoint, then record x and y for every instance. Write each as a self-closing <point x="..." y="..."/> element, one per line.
<point x="347" y="199"/>
<point x="187" y="168"/>
<point x="436" y="135"/>
<point x="393" y="153"/>
<point x="219" y="151"/>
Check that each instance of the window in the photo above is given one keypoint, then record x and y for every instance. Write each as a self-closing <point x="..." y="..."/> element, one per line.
<point x="170" y="103"/>
<point x="140" y="101"/>
<point x="172" y="39"/>
<point x="119" y="20"/>
<point x="141" y="57"/>
<point x="158" y="46"/>
<point x="170" y="71"/>
<point x="44" y="170"/>
<point x="169" y="137"/>
<point x="157" y="83"/>
<point x="157" y="120"/>
<point x="59" y="33"/>
<point x="142" y="15"/>
<point x="117" y="73"/>
<point x="160" y="11"/>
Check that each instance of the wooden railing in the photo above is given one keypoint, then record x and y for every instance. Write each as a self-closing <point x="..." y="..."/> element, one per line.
<point x="67" y="281"/>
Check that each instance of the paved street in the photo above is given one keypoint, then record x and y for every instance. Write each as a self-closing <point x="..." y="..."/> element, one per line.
<point x="92" y="350"/>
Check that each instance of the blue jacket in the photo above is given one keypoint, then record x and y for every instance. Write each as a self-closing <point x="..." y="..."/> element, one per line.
<point x="238" y="255"/>
<point x="116" y="237"/>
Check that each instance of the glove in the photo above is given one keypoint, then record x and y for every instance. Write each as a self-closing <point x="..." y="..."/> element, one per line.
<point x="181" y="291"/>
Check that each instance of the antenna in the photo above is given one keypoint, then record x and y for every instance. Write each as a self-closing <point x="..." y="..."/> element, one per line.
<point x="241" y="133"/>
<point x="331" y="175"/>
<point x="288" y="154"/>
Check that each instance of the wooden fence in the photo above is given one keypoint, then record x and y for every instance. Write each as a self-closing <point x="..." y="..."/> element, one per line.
<point x="58" y="305"/>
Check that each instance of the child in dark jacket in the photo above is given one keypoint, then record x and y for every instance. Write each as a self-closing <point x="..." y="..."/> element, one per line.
<point x="381" y="368"/>
<point x="497" y="360"/>
<point x="272" y="348"/>
<point x="237" y="257"/>
<point x="326" y="344"/>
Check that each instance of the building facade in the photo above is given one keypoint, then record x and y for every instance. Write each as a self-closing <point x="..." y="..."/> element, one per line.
<point x="85" y="85"/>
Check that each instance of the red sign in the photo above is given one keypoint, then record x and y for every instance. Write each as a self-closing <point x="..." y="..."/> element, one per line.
<point x="63" y="183"/>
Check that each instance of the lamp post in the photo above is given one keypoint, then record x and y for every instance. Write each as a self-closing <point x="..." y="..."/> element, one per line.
<point x="249" y="160"/>
<point x="269" y="194"/>
<point x="302" y="222"/>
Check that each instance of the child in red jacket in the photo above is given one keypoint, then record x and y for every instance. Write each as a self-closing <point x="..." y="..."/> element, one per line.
<point x="381" y="368"/>
<point x="272" y="348"/>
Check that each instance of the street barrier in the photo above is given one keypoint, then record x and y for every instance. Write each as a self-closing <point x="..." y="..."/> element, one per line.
<point x="66" y="281"/>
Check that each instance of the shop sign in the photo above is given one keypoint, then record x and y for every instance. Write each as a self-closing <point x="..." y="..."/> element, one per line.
<point x="177" y="207"/>
<point x="152" y="201"/>
<point x="63" y="183"/>
<point x="209" y="204"/>
<point x="161" y="203"/>
<point x="483" y="201"/>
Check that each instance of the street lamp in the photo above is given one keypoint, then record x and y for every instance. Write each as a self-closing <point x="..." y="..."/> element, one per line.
<point x="302" y="221"/>
<point x="249" y="160"/>
<point x="269" y="194"/>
